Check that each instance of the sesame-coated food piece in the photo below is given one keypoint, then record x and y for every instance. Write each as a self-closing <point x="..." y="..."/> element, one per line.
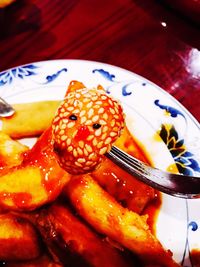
<point x="86" y="124"/>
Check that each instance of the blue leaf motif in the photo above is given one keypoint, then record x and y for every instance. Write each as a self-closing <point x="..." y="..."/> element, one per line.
<point x="51" y="78"/>
<point x="124" y="90"/>
<point x="7" y="77"/>
<point x="172" y="111"/>
<point x="105" y="74"/>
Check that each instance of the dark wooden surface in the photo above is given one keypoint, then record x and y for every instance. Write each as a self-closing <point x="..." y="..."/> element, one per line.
<point x="150" y="38"/>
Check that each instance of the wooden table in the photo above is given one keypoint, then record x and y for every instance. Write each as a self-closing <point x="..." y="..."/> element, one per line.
<point x="146" y="37"/>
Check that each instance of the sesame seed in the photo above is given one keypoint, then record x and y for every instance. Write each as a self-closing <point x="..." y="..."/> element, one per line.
<point x="80" y="151"/>
<point x="89" y="105"/>
<point x="100" y="144"/>
<point x="70" y="124"/>
<point x="88" y="122"/>
<point x="112" y="111"/>
<point x="66" y="114"/>
<point x="77" y="95"/>
<point x="110" y="102"/>
<point x="61" y="132"/>
<point x="81" y="160"/>
<point x="92" y="156"/>
<point x="101" y="110"/>
<point x="90" y="137"/>
<point x="85" y="100"/>
<point x="103" y="151"/>
<point x="112" y="134"/>
<point x="104" y="97"/>
<point x="88" y="95"/>
<point x="70" y="108"/>
<point x="98" y="132"/>
<point x="70" y="148"/>
<point x="94" y="142"/>
<point x="96" y="106"/>
<point x="78" y="164"/>
<point x="75" y="153"/>
<point x="65" y="121"/>
<point x="56" y="119"/>
<point x="83" y="119"/>
<point x="116" y="116"/>
<point x="85" y="152"/>
<point x="103" y="136"/>
<point x="88" y="147"/>
<point x="105" y="129"/>
<point x="112" y="123"/>
<point x="99" y="102"/>
<point x="81" y="144"/>
<point x="63" y="126"/>
<point x="108" y="140"/>
<point x="116" y="129"/>
<point x="88" y="163"/>
<point x="68" y="142"/>
<point x="90" y="113"/>
<point x="95" y="118"/>
<point x="94" y="98"/>
<point x="74" y="133"/>
<point x="116" y="109"/>
<point x="102" y="122"/>
<point x="63" y="138"/>
<point x="105" y="116"/>
<point x="76" y="111"/>
<point x="82" y="113"/>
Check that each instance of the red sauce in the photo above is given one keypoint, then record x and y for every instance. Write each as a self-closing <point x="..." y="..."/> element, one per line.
<point x="82" y="134"/>
<point x="42" y="155"/>
<point x="152" y="210"/>
<point x="195" y="256"/>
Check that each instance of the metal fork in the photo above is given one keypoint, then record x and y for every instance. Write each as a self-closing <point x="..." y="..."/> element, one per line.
<point x="178" y="185"/>
<point x="6" y="110"/>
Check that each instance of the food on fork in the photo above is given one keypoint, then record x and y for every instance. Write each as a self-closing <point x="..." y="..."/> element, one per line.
<point x="85" y="126"/>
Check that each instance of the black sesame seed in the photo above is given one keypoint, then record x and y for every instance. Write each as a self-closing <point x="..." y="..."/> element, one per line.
<point x="73" y="117"/>
<point x="96" y="126"/>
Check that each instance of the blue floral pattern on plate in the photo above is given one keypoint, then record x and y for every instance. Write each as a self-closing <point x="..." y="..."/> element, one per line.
<point x="50" y="78"/>
<point x="7" y="77"/>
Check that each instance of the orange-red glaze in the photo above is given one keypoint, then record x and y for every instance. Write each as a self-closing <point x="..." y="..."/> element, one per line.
<point x="86" y="124"/>
<point x="42" y="155"/>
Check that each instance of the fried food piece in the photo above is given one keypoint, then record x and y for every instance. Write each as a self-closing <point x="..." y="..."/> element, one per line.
<point x="30" y="119"/>
<point x="126" y="189"/>
<point x="73" y="242"/>
<point x="108" y="217"/>
<point x="18" y="238"/>
<point x="36" y="181"/>
<point x="11" y="151"/>
<point x="86" y="124"/>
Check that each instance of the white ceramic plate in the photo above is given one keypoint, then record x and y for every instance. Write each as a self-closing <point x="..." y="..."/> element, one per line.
<point x="161" y="125"/>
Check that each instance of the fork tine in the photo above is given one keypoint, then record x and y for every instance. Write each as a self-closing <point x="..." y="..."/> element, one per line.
<point x="173" y="184"/>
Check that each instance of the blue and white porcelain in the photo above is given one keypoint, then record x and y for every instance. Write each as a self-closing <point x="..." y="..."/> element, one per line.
<point x="167" y="132"/>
